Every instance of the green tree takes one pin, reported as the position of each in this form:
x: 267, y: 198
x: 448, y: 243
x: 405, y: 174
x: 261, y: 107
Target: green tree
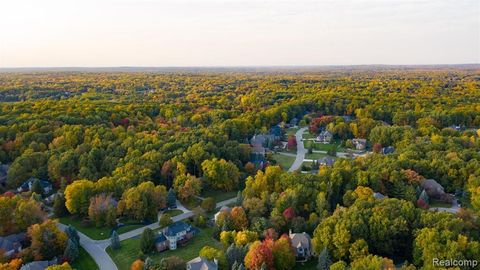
x: 147, y: 241
x: 59, y: 208
x: 71, y: 251
x: 221, y: 174
x: 77, y: 196
x: 171, y: 199
x: 324, y: 261
x: 115, y: 240
x: 37, y: 187
x: 208, y: 204
x: 165, y: 220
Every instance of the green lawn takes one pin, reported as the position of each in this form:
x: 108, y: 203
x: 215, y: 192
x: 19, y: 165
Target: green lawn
x: 322, y: 146
x: 173, y: 212
x: 90, y: 231
x: 435, y: 203
x: 291, y: 131
x: 128, y: 228
x: 284, y: 161
x: 309, y: 265
x: 84, y: 261
x: 315, y: 155
x: 219, y: 195
x: 94, y: 232
x: 192, y: 203
x: 130, y: 249
x: 308, y: 135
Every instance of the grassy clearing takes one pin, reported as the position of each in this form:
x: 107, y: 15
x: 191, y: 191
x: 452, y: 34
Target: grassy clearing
x: 219, y: 195
x: 94, y: 232
x: 192, y: 203
x: 284, y: 161
x: 309, y: 265
x: 322, y: 146
x: 90, y: 231
x: 128, y: 228
x: 315, y: 155
x: 291, y: 131
x: 130, y: 249
x: 435, y: 203
x: 84, y: 261
x: 173, y: 212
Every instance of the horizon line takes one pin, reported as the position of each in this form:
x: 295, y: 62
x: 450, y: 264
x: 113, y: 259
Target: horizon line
x: 236, y: 66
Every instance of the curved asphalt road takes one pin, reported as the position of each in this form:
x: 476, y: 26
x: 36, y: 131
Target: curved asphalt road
x: 301, y: 151
x: 97, y: 248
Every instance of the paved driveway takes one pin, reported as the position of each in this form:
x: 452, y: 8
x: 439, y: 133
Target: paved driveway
x: 98, y: 253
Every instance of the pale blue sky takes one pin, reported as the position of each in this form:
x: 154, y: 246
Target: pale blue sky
x: 96, y: 33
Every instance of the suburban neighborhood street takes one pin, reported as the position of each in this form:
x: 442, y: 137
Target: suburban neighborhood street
x: 301, y: 151
x: 97, y: 248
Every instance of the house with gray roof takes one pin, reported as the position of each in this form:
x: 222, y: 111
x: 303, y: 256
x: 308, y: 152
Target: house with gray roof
x: 302, y: 244
x: 12, y: 244
x: 27, y: 185
x: 176, y: 234
x: 324, y: 137
x: 38, y: 265
x: 326, y: 161
x: 388, y: 150
x: 360, y: 144
x: 201, y: 263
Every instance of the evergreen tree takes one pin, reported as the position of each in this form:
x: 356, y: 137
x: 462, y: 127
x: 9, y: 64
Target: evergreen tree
x: 239, y: 198
x: 37, y: 187
x: 171, y: 199
x: 71, y: 251
x: 148, y: 264
x: 147, y: 241
x: 234, y: 265
x: 234, y: 254
x: 59, y: 208
x: 324, y: 261
x: 115, y: 240
x: 72, y: 234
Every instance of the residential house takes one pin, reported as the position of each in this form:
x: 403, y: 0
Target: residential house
x: 294, y: 122
x: 324, y: 137
x: 201, y: 263
x: 456, y: 127
x: 27, y: 185
x: 176, y: 234
x: 259, y: 142
x: 38, y: 265
x: 276, y: 131
x: 435, y: 190
x: 223, y: 209
x: 347, y: 118
x: 388, y: 150
x: 378, y: 196
x: 12, y: 244
x: 326, y: 161
x: 360, y: 144
x: 302, y: 244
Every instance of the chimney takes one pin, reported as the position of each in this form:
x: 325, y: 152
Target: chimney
x: 215, y: 261
x: 290, y: 232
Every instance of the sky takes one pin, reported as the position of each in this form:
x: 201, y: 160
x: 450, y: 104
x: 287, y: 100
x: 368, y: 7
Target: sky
x: 165, y: 33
